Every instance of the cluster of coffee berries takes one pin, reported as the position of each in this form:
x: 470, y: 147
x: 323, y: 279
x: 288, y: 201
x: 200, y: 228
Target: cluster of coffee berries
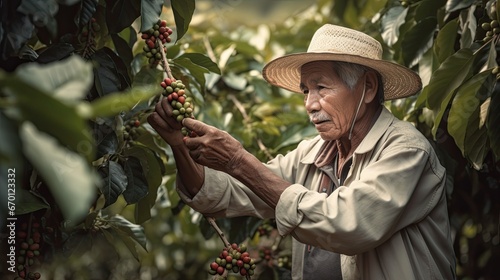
x: 182, y: 105
x: 88, y: 31
x: 130, y: 132
x: 233, y: 259
x: 265, y: 229
x: 492, y: 28
x: 155, y: 39
x: 285, y: 262
x: 266, y: 254
x: 29, y: 242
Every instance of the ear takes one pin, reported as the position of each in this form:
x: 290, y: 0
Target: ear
x: 371, y: 86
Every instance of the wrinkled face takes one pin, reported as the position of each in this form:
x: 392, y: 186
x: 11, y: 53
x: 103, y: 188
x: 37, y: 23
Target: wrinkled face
x: 330, y: 103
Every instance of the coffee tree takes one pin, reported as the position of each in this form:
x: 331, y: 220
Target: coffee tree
x: 94, y: 184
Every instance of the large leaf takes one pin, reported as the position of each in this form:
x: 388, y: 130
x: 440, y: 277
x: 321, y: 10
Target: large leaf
x: 183, y: 12
x: 418, y: 40
x: 111, y: 73
x: 492, y: 124
x: 68, y: 79
x: 444, y: 45
x: 51, y: 116
x: 428, y: 8
x: 454, y: 5
x: 114, y: 182
x: 113, y: 104
x: 391, y: 21
x: 68, y: 176
x: 106, y: 140
x: 136, y: 232
x: 28, y: 202
x: 476, y: 138
x: 137, y: 187
x: 121, y: 14
x: 203, y: 61
x: 463, y: 106
x: 123, y: 49
x: 150, y: 13
x: 445, y: 80
x: 468, y: 27
x: 54, y: 52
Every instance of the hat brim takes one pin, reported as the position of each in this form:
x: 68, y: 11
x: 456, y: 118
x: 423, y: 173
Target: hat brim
x: 398, y: 80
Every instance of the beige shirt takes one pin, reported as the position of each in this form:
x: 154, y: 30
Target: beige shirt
x: 388, y: 221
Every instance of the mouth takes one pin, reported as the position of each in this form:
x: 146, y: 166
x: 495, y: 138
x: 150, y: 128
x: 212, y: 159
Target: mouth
x: 319, y: 121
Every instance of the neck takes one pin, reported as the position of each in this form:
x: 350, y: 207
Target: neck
x: 346, y: 146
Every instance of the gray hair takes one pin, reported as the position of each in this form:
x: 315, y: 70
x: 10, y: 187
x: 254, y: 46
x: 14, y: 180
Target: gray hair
x: 350, y: 73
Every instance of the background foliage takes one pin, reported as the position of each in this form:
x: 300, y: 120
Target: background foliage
x: 75, y: 80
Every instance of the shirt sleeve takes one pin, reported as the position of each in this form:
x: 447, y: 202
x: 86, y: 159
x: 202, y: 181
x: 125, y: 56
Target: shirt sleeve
x: 390, y: 193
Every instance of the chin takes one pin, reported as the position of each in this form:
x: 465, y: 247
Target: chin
x: 327, y: 136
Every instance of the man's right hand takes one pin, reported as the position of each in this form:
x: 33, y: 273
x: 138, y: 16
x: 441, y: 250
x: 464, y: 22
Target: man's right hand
x: 166, y: 125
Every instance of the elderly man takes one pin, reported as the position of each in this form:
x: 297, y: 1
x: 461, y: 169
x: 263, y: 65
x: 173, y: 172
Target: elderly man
x: 365, y: 199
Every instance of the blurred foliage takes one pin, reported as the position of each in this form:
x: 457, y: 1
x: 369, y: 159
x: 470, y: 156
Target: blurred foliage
x: 76, y: 88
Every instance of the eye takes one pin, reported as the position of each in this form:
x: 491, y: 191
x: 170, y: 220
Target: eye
x: 305, y: 91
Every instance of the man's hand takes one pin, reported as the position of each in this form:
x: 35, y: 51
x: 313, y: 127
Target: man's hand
x: 213, y: 147
x: 166, y: 126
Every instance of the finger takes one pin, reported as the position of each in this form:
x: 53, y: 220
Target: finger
x: 198, y: 127
x: 160, y: 109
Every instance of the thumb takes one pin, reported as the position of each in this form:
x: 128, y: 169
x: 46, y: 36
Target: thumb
x: 194, y: 125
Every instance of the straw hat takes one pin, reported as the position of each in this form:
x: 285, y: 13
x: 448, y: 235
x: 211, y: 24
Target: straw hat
x: 336, y: 43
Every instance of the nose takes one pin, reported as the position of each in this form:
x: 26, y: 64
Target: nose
x: 311, y: 102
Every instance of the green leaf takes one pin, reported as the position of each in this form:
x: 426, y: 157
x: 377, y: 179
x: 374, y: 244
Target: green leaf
x: 106, y: 140
x: 492, y: 124
x: 203, y: 61
x: 198, y: 72
x: 150, y: 166
x: 150, y: 13
x: 137, y: 186
x: 454, y: 5
x: 468, y: 27
x: 428, y: 8
x: 463, y: 106
x: 476, y: 138
x: 114, y: 182
x: 121, y: 14
x: 134, y: 231
x: 51, y: 116
x: 391, y: 21
x: 148, y: 77
x: 444, y: 45
x: 113, y: 104
x: 68, y: 80
x: 111, y: 73
x: 123, y: 49
x: 183, y: 12
x: 445, y: 80
x: 142, y: 211
x: 70, y: 180
x: 27, y: 202
x: 418, y: 40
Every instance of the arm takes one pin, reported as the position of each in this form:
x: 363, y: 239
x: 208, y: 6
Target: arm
x: 220, y: 151
x: 188, y: 171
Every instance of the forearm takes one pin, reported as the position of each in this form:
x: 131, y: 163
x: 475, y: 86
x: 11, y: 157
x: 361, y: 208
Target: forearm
x: 190, y: 173
x: 257, y: 177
